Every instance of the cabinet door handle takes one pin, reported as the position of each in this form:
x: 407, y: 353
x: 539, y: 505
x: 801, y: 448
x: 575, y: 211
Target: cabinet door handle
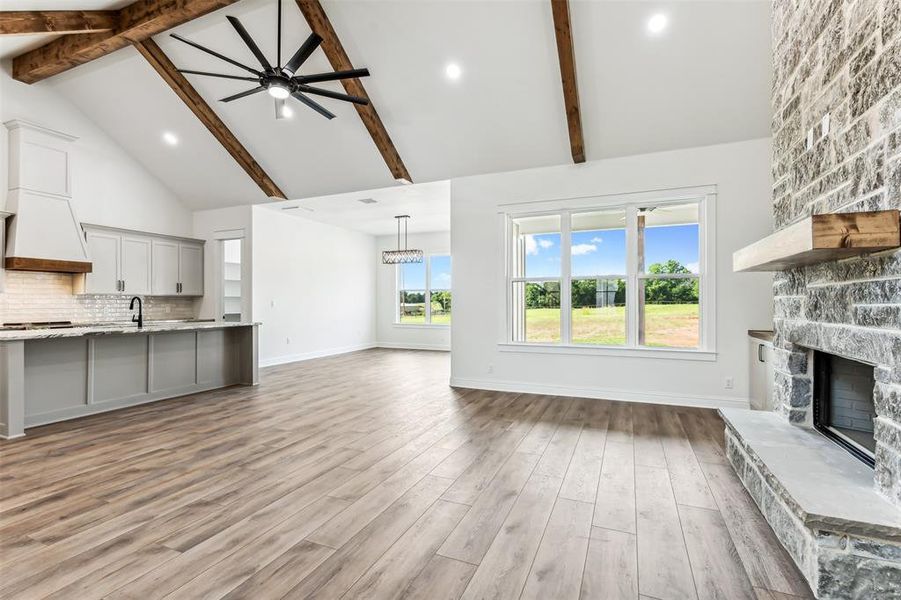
x: 760, y: 353
x: 123, y: 285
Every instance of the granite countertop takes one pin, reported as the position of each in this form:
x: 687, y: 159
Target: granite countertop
x: 118, y: 329
x: 765, y: 335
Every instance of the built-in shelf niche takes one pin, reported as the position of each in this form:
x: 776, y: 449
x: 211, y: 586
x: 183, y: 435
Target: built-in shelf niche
x: 821, y: 238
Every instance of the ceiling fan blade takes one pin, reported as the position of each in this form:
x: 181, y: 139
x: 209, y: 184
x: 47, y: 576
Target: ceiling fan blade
x: 303, y: 53
x: 314, y: 105
x: 351, y: 74
x: 243, y: 94
x: 216, y: 54
x: 330, y: 94
x: 224, y: 76
x: 249, y: 41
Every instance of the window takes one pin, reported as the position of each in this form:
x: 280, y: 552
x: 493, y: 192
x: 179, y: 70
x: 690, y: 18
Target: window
x: 598, y: 281
x: 669, y: 295
x: 626, y: 276
x: 424, y: 291
x: 536, y: 282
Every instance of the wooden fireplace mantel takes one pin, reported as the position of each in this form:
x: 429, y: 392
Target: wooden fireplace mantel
x: 821, y: 238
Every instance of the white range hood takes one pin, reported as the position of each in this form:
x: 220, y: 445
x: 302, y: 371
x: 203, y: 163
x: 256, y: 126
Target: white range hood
x: 43, y: 234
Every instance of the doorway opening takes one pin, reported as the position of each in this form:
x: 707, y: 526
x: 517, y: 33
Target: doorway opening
x: 231, y: 280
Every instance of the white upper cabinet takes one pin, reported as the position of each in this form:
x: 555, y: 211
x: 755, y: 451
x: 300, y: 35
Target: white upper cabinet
x: 105, y: 252
x: 190, y: 269
x: 165, y: 268
x: 135, y: 263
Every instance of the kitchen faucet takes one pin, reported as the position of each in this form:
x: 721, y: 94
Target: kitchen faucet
x: 138, y: 318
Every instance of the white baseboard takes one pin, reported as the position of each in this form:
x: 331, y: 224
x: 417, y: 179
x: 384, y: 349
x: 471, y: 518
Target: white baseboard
x: 436, y: 347
x: 290, y: 358
x: 601, y: 393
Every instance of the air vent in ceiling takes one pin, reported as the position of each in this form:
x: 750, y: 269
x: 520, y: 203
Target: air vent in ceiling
x: 366, y: 200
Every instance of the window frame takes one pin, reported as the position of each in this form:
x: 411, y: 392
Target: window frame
x: 704, y: 196
x: 427, y: 290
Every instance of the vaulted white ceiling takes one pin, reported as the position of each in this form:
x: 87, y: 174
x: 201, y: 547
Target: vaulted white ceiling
x: 374, y: 211
x: 705, y: 80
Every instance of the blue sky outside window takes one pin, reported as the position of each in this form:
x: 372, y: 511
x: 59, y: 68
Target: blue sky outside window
x: 604, y: 252
x: 440, y: 275
x: 542, y: 255
x: 679, y: 242
x: 412, y: 276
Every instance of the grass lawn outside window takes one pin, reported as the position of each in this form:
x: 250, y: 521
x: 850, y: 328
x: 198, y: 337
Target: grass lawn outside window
x: 674, y: 325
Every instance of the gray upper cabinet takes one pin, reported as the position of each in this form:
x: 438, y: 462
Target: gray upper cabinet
x: 105, y: 252
x: 190, y: 269
x: 135, y: 263
x: 165, y: 268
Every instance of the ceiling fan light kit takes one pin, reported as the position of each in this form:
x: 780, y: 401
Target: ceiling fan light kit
x: 281, y: 81
x: 402, y: 255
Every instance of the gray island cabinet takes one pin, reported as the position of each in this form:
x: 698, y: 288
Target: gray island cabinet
x: 49, y: 375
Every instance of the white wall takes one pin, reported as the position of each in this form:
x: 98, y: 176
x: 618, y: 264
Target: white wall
x: 313, y: 287
x: 213, y: 226
x: 741, y: 172
x: 109, y: 187
x: 390, y: 334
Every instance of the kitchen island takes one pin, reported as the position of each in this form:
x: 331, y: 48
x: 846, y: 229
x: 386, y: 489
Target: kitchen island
x: 49, y: 375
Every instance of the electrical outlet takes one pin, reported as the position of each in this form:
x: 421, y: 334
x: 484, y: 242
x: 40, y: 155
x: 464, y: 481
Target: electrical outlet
x: 288, y: 341
x: 729, y: 383
x: 810, y: 138
x: 824, y: 126
x: 272, y: 304
x: 491, y: 368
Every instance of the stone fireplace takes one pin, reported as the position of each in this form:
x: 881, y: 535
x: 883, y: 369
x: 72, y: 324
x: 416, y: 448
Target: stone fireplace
x: 836, y: 148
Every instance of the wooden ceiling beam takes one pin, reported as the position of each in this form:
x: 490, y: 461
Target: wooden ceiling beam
x: 182, y: 87
x: 319, y: 22
x: 136, y: 22
x: 566, y: 55
x: 20, y: 22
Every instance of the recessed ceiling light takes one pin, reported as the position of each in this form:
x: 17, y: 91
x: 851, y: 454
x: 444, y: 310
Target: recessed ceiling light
x: 657, y: 23
x: 170, y: 138
x: 453, y: 71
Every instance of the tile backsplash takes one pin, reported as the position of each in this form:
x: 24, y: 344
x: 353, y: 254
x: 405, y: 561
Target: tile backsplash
x: 32, y: 296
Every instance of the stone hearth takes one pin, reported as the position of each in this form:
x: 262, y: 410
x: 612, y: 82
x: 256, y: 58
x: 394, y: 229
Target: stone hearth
x: 820, y: 501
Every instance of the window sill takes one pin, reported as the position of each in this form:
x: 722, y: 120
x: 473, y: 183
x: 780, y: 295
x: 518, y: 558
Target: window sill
x: 664, y: 353
x: 420, y: 326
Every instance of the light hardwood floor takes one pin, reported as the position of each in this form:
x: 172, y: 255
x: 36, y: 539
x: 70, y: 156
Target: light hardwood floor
x: 366, y: 476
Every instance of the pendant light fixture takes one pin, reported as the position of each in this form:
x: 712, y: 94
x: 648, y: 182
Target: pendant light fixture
x: 401, y: 255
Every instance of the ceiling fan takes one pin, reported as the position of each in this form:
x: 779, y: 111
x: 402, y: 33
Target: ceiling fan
x: 281, y: 81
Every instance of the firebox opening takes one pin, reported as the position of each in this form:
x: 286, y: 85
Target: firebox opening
x: 843, y: 407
